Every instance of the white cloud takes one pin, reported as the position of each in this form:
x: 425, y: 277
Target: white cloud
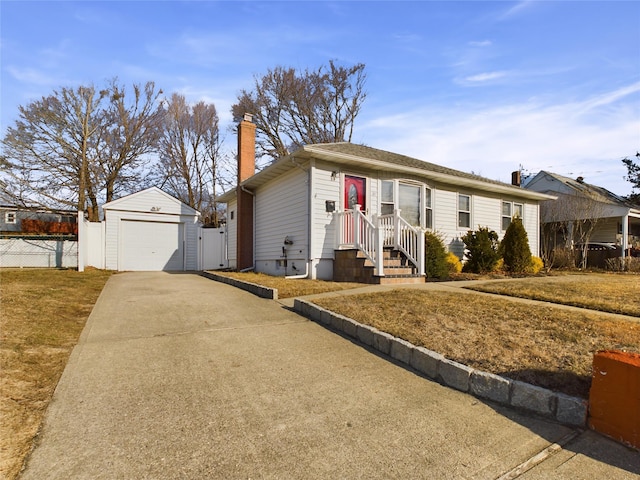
x: 485, y: 77
x: 517, y: 9
x: 482, y: 43
x: 30, y: 75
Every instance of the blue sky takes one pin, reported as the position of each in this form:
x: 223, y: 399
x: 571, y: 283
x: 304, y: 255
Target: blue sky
x: 484, y: 87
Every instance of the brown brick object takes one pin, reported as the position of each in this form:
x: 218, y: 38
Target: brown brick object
x: 614, y: 399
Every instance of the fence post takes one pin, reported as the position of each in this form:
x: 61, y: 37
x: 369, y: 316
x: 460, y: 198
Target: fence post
x: 379, y: 246
x: 396, y: 228
x: 82, y: 241
x: 356, y: 226
x: 421, y: 252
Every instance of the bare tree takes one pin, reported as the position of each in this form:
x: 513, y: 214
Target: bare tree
x: 77, y: 147
x: 50, y: 151
x: 190, y: 154
x: 292, y: 109
x: 131, y: 133
x: 573, y: 218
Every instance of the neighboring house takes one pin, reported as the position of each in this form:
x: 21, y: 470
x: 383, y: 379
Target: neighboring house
x: 297, y: 216
x: 37, y: 221
x: 613, y: 220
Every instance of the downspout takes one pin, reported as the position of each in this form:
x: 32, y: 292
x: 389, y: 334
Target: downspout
x: 253, y: 196
x: 303, y: 275
x: 309, y: 222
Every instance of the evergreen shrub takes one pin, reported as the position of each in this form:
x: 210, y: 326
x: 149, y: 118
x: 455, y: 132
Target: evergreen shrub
x: 436, y: 265
x: 515, y: 248
x: 481, y: 250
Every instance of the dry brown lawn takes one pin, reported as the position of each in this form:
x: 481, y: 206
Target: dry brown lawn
x: 615, y: 293
x: 289, y: 288
x: 41, y: 317
x: 541, y: 345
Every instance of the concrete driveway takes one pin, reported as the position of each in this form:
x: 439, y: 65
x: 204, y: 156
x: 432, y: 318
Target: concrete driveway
x: 177, y: 376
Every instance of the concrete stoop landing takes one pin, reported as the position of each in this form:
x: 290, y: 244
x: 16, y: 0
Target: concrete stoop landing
x: 565, y: 409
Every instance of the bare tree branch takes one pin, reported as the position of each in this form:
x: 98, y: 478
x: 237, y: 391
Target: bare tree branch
x: 292, y: 109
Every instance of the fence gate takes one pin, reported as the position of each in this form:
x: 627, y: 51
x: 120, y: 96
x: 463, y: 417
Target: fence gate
x: 213, y: 248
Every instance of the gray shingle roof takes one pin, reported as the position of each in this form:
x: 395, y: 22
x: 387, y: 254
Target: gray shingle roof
x: 363, y: 151
x: 345, y: 153
x: 595, y: 192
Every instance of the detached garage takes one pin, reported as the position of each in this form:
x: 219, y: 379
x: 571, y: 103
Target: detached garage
x: 150, y: 231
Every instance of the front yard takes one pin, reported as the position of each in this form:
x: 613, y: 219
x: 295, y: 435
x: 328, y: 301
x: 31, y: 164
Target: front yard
x: 44, y: 311
x: 538, y: 344
x: 614, y: 293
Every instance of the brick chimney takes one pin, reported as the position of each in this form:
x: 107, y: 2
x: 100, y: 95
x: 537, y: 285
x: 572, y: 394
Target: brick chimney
x: 516, y: 179
x: 246, y: 148
x: 246, y: 169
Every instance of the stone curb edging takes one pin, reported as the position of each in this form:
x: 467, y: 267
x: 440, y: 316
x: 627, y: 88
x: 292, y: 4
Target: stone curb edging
x: 513, y: 393
x: 259, y: 290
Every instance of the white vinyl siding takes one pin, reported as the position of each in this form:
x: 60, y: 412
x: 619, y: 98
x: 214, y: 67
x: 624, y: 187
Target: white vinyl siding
x: 485, y: 212
x: 281, y: 210
x: 326, y: 187
x: 445, y: 217
x: 531, y: 222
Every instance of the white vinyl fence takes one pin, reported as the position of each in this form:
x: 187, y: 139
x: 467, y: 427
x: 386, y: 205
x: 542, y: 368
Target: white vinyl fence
x: 88, y: 249
x: 38, y: 251
x: 212, y: 249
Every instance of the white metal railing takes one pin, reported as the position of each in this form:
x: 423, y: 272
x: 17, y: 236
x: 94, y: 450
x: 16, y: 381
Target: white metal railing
x: 355, y: 230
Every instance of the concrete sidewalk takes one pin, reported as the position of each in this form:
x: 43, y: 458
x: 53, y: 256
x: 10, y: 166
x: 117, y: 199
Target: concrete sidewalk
x: 178, y: 376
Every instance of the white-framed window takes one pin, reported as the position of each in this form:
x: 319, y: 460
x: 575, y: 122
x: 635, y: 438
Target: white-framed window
x: 511, y: 210
x: 406, y: 196
x: 9, y: 217
x: 409, y: 202
x: 464, y: 211
x: 428, y: 208
x: 387, y: 197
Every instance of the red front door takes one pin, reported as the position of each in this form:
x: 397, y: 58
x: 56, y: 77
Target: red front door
x: 354, y: 192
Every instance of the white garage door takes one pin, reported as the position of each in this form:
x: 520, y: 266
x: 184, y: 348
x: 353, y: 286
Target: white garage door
x: 151, y: 246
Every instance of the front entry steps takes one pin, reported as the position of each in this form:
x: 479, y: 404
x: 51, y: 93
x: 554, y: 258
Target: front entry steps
x: 352, y: 266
